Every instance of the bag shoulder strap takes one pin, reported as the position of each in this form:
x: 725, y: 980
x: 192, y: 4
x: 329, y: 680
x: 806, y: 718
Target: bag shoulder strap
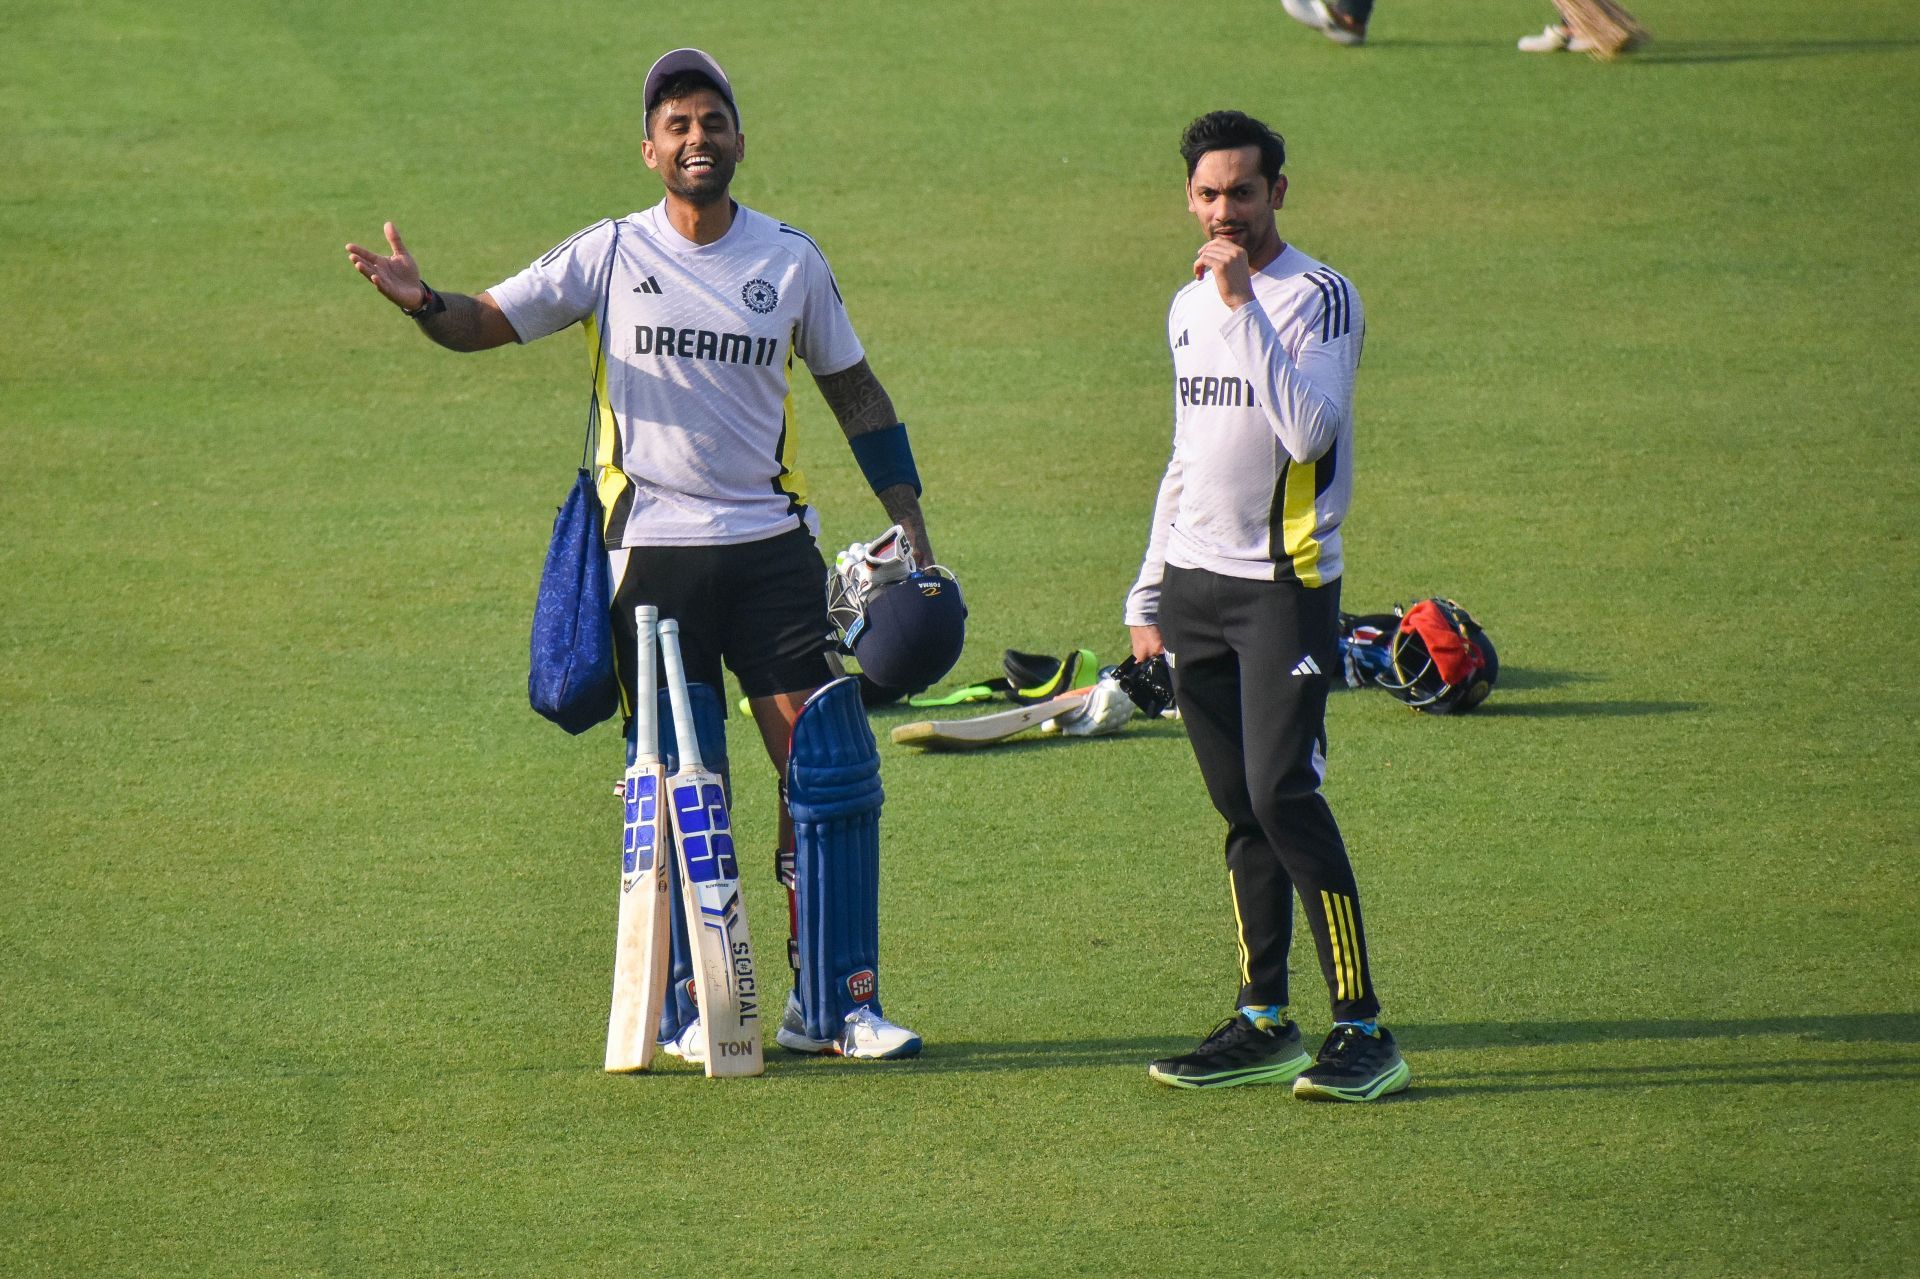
x: 592, y: 446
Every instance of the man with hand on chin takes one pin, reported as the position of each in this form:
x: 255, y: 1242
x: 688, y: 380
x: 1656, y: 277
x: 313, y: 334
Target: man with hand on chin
x: 692, y: 311
x: 1240, y: 588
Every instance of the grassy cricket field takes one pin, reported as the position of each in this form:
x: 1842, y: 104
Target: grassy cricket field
x: 308, y: 920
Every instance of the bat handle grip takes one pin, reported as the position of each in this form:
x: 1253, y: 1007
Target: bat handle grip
x: 646, y: 682
x: 683, y: 730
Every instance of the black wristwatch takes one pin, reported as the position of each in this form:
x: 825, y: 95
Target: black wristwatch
x: 430, y: 305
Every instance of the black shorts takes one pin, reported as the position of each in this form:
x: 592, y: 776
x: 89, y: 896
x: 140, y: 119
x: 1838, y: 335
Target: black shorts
x: 759, y: 607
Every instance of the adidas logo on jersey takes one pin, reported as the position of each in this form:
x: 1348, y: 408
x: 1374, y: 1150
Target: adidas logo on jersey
x: 1181, y: 340
x: 651, y: 286
x: 1307, y: 666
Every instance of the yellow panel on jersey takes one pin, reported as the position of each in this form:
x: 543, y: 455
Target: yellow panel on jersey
x: 617, y: 558
x: 790, y: 481
x: 1298, y: 519
x: 608, y: 479
x: 1348, y: 982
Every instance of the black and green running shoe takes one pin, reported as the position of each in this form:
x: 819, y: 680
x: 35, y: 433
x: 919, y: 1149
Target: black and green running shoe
x: 1237, y: 1052
x: 1354, y: 1066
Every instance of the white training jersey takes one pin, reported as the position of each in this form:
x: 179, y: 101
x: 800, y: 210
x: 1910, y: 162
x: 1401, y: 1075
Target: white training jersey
x: 1262, y: 467
x: 692, y: 348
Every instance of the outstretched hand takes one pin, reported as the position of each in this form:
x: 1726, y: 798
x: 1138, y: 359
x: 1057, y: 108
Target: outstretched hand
x: 396, y: 276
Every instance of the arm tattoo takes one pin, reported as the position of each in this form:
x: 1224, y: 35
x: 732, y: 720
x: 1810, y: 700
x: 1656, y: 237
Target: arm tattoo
x: 903, y: 508
x: 457, y: 328
x: 861, y: 404
x: 857, y: 399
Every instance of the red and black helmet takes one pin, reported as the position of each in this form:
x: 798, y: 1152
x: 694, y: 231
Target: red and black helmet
x: 1441, y: 659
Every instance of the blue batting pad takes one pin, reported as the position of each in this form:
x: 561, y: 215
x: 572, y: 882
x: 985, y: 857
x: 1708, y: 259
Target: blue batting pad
x: 834, y: 794
x: 709, y: 720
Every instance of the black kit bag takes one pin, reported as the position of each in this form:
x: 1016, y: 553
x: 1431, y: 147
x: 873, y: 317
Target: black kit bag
x: 570, y: 675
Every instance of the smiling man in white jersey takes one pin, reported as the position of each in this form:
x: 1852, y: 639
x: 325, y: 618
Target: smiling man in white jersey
x: 1240, y: 588
x: 694, y: 311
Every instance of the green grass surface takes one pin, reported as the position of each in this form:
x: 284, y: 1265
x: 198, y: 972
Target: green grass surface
x: 308, y: 921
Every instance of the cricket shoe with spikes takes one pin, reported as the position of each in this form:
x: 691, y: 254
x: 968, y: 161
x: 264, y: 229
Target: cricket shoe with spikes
x: 1237, y: 1052
x: 1354, y: 1065
x: 866, y: 1036
x: 687, y: 1045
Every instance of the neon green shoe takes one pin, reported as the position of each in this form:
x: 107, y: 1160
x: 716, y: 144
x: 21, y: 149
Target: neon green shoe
x: 1236, y: 1053
x: 1354, y: 1066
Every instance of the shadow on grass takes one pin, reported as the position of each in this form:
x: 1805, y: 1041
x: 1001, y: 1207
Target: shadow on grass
x: 1518, y: 678
x: 1512, y: 677
x: 957, y: 1057
x: 1877, y: 1028
x: 1696, y: 52
x: 1767, y: 1074
x: 1496, y: 708
x: 1763, y: 1070
x: 1134, y: 1052
x: 1688, y: 52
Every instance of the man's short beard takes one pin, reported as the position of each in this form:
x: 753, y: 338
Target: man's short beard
x: 701, y: 193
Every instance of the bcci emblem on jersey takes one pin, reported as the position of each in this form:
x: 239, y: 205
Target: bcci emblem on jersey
x: 759, y: 296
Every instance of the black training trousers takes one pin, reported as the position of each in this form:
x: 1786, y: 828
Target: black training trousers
x: 1252, y: 664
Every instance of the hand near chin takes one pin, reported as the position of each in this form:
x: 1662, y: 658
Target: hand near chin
x: 1231, y: 274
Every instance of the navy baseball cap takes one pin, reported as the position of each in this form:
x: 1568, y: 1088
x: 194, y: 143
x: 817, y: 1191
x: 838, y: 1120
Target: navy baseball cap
x: 679, y: 60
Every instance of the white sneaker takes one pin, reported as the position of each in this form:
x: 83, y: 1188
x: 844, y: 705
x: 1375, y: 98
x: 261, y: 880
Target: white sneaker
x: 687, y: 1045
x: 866, y: 1035
x: 870, y: 1036
x: 1303, y: 11
x: 792, y: 1034
x: 1552, y: 39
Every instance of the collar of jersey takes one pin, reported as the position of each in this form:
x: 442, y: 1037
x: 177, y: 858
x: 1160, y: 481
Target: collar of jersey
x: 671, y: 237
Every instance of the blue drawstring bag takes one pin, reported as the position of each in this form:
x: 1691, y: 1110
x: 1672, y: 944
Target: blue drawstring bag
x: 570, y: 673
x: 570, y: 677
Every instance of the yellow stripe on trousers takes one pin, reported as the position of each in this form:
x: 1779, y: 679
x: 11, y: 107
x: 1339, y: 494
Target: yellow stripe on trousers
x: 1240, y: 932
x: 1346, y: 945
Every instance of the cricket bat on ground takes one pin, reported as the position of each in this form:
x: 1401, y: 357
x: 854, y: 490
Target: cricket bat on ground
x: 640, y: 953
x: 984, y: 730
x: 725, y: 986
x: 1608, y: 30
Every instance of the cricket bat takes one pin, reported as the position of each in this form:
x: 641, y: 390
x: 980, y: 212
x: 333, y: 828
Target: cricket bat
x: 640, y: 952
x: 725, y: 986
x: 984, y: 730
x: 1608, y: 30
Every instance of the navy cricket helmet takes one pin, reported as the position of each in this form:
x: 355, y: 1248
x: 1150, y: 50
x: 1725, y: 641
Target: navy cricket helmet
x: 910, y: 634
x: 904, y: 625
